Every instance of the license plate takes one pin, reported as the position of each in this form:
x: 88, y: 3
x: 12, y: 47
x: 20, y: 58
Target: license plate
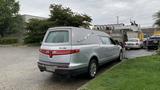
x: 51, y: 68
x: 130, y: 44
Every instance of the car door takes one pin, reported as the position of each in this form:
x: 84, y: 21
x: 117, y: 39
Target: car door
x: 115, y: 49
x: 105, y: 48
x: 56, y: 46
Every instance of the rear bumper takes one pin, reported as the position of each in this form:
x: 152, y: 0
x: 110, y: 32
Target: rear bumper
x: 63, y: 70
x: 132, y: 46
x: 152, y: 47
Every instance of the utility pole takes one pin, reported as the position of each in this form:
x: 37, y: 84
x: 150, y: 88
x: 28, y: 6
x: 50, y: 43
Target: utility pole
x: 130, y: 20
x: 117, y: 19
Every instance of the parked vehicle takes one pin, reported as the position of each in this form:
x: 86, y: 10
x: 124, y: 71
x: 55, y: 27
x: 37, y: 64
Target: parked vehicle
x: 153, y: 42
x: 71, y: 50
x: 133, y: 43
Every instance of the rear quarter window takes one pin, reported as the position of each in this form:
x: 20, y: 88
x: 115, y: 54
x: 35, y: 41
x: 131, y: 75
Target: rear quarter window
x: 105, y: 40
x: 57, y: 37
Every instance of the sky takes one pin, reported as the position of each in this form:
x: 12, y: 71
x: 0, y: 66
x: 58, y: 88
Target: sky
x: 101, y: 11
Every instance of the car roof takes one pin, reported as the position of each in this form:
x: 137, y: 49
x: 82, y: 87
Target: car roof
x: 101, y: 33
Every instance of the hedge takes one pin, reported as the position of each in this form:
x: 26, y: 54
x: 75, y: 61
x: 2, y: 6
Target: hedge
x: 8, y: 41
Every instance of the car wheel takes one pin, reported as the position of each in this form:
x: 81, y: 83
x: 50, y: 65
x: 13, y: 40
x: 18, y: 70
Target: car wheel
x: 92, y: 69
x: 120, y: 58
x: 148, y: 48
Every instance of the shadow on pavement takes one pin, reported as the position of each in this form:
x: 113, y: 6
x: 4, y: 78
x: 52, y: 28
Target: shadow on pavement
x: 56, y: 82
x: 80, y: 79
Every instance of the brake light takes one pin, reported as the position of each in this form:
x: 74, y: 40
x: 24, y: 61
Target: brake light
x: 58, y: 52
x: 63, y: 52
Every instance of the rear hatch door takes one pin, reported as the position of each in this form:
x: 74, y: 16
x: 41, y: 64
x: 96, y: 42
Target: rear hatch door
x: 56, y: 46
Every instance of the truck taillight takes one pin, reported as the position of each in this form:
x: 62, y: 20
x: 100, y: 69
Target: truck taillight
x: 59, y: 52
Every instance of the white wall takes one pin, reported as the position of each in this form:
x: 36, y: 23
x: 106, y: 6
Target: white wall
x: 132, y: 34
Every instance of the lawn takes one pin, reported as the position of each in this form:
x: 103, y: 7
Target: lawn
x: 141, y: 73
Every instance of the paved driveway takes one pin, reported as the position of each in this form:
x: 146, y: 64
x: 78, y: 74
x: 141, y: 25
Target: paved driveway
x: 139, y: 53
x: 18, y: 71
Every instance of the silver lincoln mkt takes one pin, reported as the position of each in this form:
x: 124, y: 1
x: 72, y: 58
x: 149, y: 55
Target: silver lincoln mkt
x: 71, y: 50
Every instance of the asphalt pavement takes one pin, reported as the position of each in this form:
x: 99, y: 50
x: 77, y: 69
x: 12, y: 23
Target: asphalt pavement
x: 18, y: 71
x: 138, y: 53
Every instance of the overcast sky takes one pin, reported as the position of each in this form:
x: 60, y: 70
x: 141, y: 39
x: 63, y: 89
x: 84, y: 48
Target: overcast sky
x: 101, y: 11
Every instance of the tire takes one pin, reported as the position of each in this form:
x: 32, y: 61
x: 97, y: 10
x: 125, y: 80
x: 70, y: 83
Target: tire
x: 92, y: 68
x: 120, y: 58
x: 148, y: 48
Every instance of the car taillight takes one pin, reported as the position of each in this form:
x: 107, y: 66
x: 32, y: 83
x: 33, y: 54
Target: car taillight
x: 58, y: 52
x: 44, y: 51
x: 64, y: 52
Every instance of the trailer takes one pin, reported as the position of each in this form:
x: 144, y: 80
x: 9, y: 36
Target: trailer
x: 121, y: 32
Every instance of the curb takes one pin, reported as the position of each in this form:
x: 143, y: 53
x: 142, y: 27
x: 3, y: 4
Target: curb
x: 83, y: 87
x: 13, y: 46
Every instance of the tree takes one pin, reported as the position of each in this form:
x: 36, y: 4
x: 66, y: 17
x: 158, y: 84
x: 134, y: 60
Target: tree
x: 60, y: 16
x: 8, y: 10
x: 36, y: 30
x: 157, y: 17
x: 17, y: 24
x: 65, y: 17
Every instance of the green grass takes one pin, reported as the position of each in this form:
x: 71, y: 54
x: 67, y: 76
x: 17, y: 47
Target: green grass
x: 134, y: 74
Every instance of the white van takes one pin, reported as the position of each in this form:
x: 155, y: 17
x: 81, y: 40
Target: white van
x: 71, y: 50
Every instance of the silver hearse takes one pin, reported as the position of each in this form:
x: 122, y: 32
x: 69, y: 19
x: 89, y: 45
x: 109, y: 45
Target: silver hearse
x: 71, y: 50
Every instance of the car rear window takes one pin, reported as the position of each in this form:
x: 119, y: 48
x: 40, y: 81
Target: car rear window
x: 57, y: 37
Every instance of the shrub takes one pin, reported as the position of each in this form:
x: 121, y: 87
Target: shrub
x: 8, y: 41
x: 36, y: 30
x: 158, y: 51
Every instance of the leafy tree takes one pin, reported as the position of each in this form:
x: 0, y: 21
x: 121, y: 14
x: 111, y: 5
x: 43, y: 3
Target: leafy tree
x: 60, y: 16
x: 157, y: 17
x: 8, y: 10
x: 36, y: 30
x: 65, y: 17
x: 17, y: 24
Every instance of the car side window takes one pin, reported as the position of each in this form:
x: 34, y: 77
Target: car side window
x: 106, y: 40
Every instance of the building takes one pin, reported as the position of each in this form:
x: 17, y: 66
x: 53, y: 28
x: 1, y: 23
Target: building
x: 120, y: 32
x: 27, y: 17
x: 149, y: 31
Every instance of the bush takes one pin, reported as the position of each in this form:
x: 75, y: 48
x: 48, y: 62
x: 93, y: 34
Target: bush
x: 158, y: 51
x: 36, y: 30
x: 8, y: 41
x: 34, y: 38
